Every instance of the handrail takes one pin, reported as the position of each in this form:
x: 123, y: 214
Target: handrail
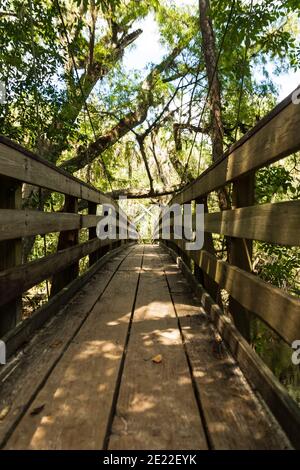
x: 273, y: 138
x: 18, y: 166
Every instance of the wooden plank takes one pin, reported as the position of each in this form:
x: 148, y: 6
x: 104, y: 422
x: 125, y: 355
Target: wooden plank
x: 156, y: 408
x: 16, y: 162
x: 25, y: 329
x: 278, y: 309
x: 240, y: 251
x: 273, y: 223
x: 234, y: 415
x: 24, y: 223
x: 278, y: 138
x: 15, y: 281
x: 66, y: 239
x: 76, y: 411
x: 261, y: 378
x: 92, y: 208
x: 26, y: 373
x: 10, y: 253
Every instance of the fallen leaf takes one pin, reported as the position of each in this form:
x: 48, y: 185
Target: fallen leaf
x: 157, y: 359
x: 4, y: 412
x: 37, y: 410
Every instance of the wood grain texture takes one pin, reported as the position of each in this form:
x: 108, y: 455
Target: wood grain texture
x: 156, y: 405
x: 274, y: 223
x: 234, y: 415
x: 278, y: 309
x: 24, y: 375
x: 28, y: 168
x: 78, y: 395
x: 17, y: 280
x: 23, y: 223
x: 259, y: 375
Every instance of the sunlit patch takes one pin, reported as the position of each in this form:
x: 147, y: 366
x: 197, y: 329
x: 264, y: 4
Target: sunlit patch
x: 47, y: 420
x: 38, y: 439
x: 169, y: 337
x: 219, y: 427
x: 59, y: 393
x: 199, y: 373
x: 142, y: 403
x: 184, y: 381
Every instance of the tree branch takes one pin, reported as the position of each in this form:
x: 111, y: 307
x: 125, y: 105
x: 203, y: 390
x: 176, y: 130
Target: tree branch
x: 141, y: 194
x: 144, y: 101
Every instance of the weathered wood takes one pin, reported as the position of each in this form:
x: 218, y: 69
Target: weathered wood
x: 67, y: 239
x: 210, y: 285
x: 24, y: 377
x: 78, y: 395
x: 277, y: 138
x: 16, y: 280
x: 240, y: 252
x: 25, y: 329
x: 274, y: 223
x: 10, y: 253
x: 156, y: 406
x: 278, y: 309
x: 261, y: 378
x: 16, y: 162
x: 239, y: 423
x: 92, y: 207
x: 24, y: 223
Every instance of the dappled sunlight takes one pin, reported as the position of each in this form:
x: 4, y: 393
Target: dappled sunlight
x: 142, y: 403
x: 157, y: 406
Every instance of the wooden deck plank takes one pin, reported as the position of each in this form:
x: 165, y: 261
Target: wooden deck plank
x: 24, y: 375
x: 235, y: 417
x: 156, y: 407
x: 76, y: 400
x: 72, y: 389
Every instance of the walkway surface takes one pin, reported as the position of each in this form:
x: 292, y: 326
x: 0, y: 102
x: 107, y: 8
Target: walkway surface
x: 132, y: 363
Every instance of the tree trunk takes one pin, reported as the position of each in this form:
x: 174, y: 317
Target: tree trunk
x: 210, y: 57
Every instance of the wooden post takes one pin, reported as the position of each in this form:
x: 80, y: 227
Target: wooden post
x: 67, y: 239
x: 208, y: 283
x: 241, y: 250
x: 10, y: 252
x: 184, y: 255
x: 93, y: 257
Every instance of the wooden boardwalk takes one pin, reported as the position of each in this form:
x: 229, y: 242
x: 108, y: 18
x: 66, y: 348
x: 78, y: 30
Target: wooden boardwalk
x: 132, y: 362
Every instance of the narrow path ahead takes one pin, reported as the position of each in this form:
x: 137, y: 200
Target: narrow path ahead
x: 132, y: 363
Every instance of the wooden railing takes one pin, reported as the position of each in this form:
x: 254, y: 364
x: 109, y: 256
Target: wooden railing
x: 275, y: 137
x: 19, y: 166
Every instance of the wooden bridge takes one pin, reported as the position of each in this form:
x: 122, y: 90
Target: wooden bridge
x: 136, y: 352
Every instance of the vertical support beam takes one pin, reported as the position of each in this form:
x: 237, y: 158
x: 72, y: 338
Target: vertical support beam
x: 117, y: 241
x: 10, y: 252
x: 241, y: 250
x: 92, y: 210
x: 209, y: 284
x: 67, y: 239
x: 184, y: 254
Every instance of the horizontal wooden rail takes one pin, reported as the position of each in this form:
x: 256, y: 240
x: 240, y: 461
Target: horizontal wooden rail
x: 259, y: 375
x: 277, y: 137
x: 274, y: 223
x: 19, y: 166
x: 278, y: 309
x: 16, y: 280
x: 24, y: 223
x: 18, y: 163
